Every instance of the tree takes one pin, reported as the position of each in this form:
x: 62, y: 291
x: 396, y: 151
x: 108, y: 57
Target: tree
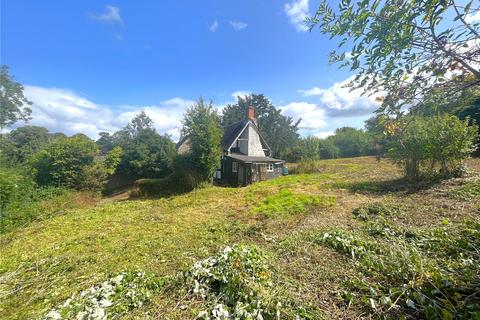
x: 106, y: 142
x: 147, y: 155
x: 140, y: 122
x: 201, y: 125
x: 405, y: 49
x: 279, y: 131
x: 13, y: 104
x: 63, y: 163
x: 24, y: 142
x: 352, y: 142
x: 310, y: 148
x: 328, y: 150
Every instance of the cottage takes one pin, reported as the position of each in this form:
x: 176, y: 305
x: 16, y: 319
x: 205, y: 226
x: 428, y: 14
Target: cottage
x: 246, y: 158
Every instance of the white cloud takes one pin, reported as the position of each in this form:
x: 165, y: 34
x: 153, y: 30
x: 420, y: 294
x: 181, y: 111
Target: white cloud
x: 339, y: 101
x: 297, y: 11
x: 472, y: 18
x: 238, y: 25
x: 214, y: 26
x: 313, y: 117
x: 62, y: 110
x: 315, y: 91
x: 118, y: 36
x: 111, y: 15
x: 240, y: 93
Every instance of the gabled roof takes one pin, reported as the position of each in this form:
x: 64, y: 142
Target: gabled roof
x: 233, y: 131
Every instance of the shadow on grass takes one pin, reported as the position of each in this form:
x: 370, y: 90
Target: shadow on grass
x: 388, y: 186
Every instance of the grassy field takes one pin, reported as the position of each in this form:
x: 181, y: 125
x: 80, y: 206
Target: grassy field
x: 372, y: 215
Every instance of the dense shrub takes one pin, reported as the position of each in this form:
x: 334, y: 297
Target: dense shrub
x: 429, y: 144
x: 63, y: 163
x: 22, y: 201
x: 147, y: 155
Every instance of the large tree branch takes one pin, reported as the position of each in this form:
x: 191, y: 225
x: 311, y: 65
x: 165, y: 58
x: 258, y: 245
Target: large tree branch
x: 449, y: 53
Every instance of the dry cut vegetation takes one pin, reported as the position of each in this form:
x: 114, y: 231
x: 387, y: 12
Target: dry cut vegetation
x: 342, y: 238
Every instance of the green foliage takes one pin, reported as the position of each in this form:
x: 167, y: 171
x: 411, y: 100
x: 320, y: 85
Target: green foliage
x: 113, y: 159
x: 405, y: 49
x: 23, y: 142
x: 111, y: 299
x: 424, y: 143
x: 22, y: 201
x: 147, y: 154
x: 465, y: 107
x: 285, y: 202
x: 279, y: 131
x: 63, y: 163
x: 8, y: 186
x: 237, y: 283
x: 106, y: 142
x: 202, y: 126
x: 309, y: 148
x: 328, y: 149
x: 351, y: 142
x: 13, y: 104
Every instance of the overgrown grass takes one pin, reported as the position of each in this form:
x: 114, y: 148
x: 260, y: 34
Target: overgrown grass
x: 39, y: 203
x: 401, y: 249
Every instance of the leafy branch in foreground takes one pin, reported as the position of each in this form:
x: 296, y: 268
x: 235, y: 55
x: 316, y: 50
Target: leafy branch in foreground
x: 404, y: 49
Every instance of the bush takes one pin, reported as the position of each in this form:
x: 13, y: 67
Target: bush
x: 429, y: 144
x: 147, y: 154
x: 23, y: 201
x: 63, y: 163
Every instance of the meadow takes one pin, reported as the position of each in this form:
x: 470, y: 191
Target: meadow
x: 343, y: 238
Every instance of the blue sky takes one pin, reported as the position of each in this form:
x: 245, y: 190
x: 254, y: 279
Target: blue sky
x: 88, y: 66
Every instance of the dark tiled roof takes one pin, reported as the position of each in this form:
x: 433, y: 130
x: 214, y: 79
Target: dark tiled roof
x: 245, y: 158
x: 231, y: 132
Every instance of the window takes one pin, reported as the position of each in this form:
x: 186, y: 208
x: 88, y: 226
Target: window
x: 269, y: 166
x: 234, y: 166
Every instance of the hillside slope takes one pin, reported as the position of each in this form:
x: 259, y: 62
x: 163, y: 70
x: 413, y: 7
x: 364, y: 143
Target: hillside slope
x: 290, y: 219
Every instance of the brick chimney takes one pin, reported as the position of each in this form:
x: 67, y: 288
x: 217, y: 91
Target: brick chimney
x: 251, y: 114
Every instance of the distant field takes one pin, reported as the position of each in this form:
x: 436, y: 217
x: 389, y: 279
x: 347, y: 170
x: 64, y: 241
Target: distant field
x: 43, y: 264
